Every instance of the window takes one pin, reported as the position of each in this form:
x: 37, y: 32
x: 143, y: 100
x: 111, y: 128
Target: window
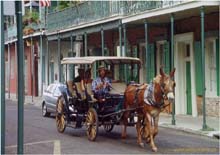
x: 50, y: 88
x: 57, y: 91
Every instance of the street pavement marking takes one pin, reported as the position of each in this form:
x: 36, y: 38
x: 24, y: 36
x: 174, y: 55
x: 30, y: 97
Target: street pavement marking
x: 56, y: 149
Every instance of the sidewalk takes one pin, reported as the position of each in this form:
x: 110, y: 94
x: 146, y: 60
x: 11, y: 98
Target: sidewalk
x: 184, y: 123
x: 191, y: 124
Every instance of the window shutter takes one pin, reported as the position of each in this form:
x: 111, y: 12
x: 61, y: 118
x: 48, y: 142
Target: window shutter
x: 150, y: 63
x: 217, y: 67
x: 198, y: 67
x: 167, y: 57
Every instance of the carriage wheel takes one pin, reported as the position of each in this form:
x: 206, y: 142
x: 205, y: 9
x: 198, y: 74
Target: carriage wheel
x: 60, y: 116
x: 92, y: 124
x: 108, y: 128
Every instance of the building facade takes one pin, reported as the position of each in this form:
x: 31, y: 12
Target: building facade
x: 160, y: 33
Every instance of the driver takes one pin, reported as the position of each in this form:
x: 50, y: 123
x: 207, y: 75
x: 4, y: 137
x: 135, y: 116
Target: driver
x: 101, y: 85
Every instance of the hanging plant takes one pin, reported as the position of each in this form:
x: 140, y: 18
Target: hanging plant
x: 31, y: 17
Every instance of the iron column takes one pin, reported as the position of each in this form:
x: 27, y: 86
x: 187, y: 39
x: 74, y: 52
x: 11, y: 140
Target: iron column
x: 9, y: 71
x: 48, y: 61
x: 102, y: 38
x: 58, y: 57
x: 120, y: 39
x: 41, y: 65
x: 71, y: 42
x: 125, y: 50
x: 20, y: 57
x: 146, y: 46
x: 85, y: 44
x: 172, y: 63
x: 32, y: 70
x: 2, y: 93
x: 204, y: 126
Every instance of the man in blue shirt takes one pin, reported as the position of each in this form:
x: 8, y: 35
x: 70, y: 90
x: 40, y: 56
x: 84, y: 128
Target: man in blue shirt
x: 101, y: 85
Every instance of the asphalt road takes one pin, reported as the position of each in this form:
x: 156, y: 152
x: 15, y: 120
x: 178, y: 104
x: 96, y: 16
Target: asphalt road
x: 41, y: 137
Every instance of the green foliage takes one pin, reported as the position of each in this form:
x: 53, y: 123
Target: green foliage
x: 31, y: 17
x: 65, y: 4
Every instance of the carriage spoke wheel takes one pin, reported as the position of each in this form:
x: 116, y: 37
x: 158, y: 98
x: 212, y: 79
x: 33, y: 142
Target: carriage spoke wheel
x: 60, y: 116
x: 92, y: 124
x: 108, y: 128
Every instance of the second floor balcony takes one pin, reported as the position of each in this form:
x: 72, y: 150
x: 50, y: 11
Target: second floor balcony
x: 91, y: 11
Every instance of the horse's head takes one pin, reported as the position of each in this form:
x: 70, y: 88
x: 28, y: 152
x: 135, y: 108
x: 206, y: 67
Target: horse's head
x: 166, y: 84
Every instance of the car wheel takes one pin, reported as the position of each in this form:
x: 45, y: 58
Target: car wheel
x: 45, y: 113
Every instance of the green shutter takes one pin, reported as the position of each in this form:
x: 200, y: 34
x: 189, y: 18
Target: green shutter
x: 217, y: 67
x: 150, y: 63
x: 198, y: 67
x: 167, y: 57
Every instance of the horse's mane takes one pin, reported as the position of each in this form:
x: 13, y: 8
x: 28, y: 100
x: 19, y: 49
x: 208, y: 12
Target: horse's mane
x: 157, y: 79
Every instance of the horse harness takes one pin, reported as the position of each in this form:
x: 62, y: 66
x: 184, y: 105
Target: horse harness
x: 149, y: 96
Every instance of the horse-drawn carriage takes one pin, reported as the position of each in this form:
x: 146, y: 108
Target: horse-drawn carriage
x: 76, y: 107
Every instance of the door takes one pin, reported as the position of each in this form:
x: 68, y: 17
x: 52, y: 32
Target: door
x: 188, y: 89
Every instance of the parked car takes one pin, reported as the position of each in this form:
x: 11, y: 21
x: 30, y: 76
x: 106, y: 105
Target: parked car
x: 50, y: 96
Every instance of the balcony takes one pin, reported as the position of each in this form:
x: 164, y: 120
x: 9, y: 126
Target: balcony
x: 91, y: 11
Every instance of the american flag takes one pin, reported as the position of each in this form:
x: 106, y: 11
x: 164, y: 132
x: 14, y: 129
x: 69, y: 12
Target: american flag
x: 45, y: 3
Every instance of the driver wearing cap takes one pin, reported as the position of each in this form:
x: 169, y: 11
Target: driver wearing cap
x: 101, y: 85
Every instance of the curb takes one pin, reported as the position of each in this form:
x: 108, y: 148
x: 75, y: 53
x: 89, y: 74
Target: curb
x: 187, y: 130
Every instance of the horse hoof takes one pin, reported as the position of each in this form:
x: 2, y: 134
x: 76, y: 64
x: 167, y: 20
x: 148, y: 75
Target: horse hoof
x: 141, y: 145
x: 148, y: 140
x: 154, y: 149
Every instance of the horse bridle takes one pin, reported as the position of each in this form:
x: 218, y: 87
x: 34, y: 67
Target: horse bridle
x: 164, y: 95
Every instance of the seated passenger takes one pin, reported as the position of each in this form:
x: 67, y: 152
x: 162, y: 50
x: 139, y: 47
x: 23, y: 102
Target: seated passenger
x: 101, y: 85
x: 80, y: 76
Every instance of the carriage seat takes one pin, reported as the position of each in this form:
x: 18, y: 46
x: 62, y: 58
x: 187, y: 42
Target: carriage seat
x: 118, y: 88
x: 89, y: 91
x: 71, y: 89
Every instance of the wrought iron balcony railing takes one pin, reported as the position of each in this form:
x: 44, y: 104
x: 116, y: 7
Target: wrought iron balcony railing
x: 90, y: 11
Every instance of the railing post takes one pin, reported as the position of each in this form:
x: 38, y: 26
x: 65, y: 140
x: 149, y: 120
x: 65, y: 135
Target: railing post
x: 2, y: 80
x: 204, y: 126
x: 20, y: 56
x: 172, y: 63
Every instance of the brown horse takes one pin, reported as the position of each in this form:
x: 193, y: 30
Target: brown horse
x: 148, y: 100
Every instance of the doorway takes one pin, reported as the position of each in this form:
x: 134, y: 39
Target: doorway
x: 185, y: 95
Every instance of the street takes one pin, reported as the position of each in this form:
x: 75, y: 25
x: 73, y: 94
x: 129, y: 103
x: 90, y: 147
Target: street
x: 41, y: 137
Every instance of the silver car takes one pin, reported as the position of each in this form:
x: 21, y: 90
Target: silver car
x: 50, y: 96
